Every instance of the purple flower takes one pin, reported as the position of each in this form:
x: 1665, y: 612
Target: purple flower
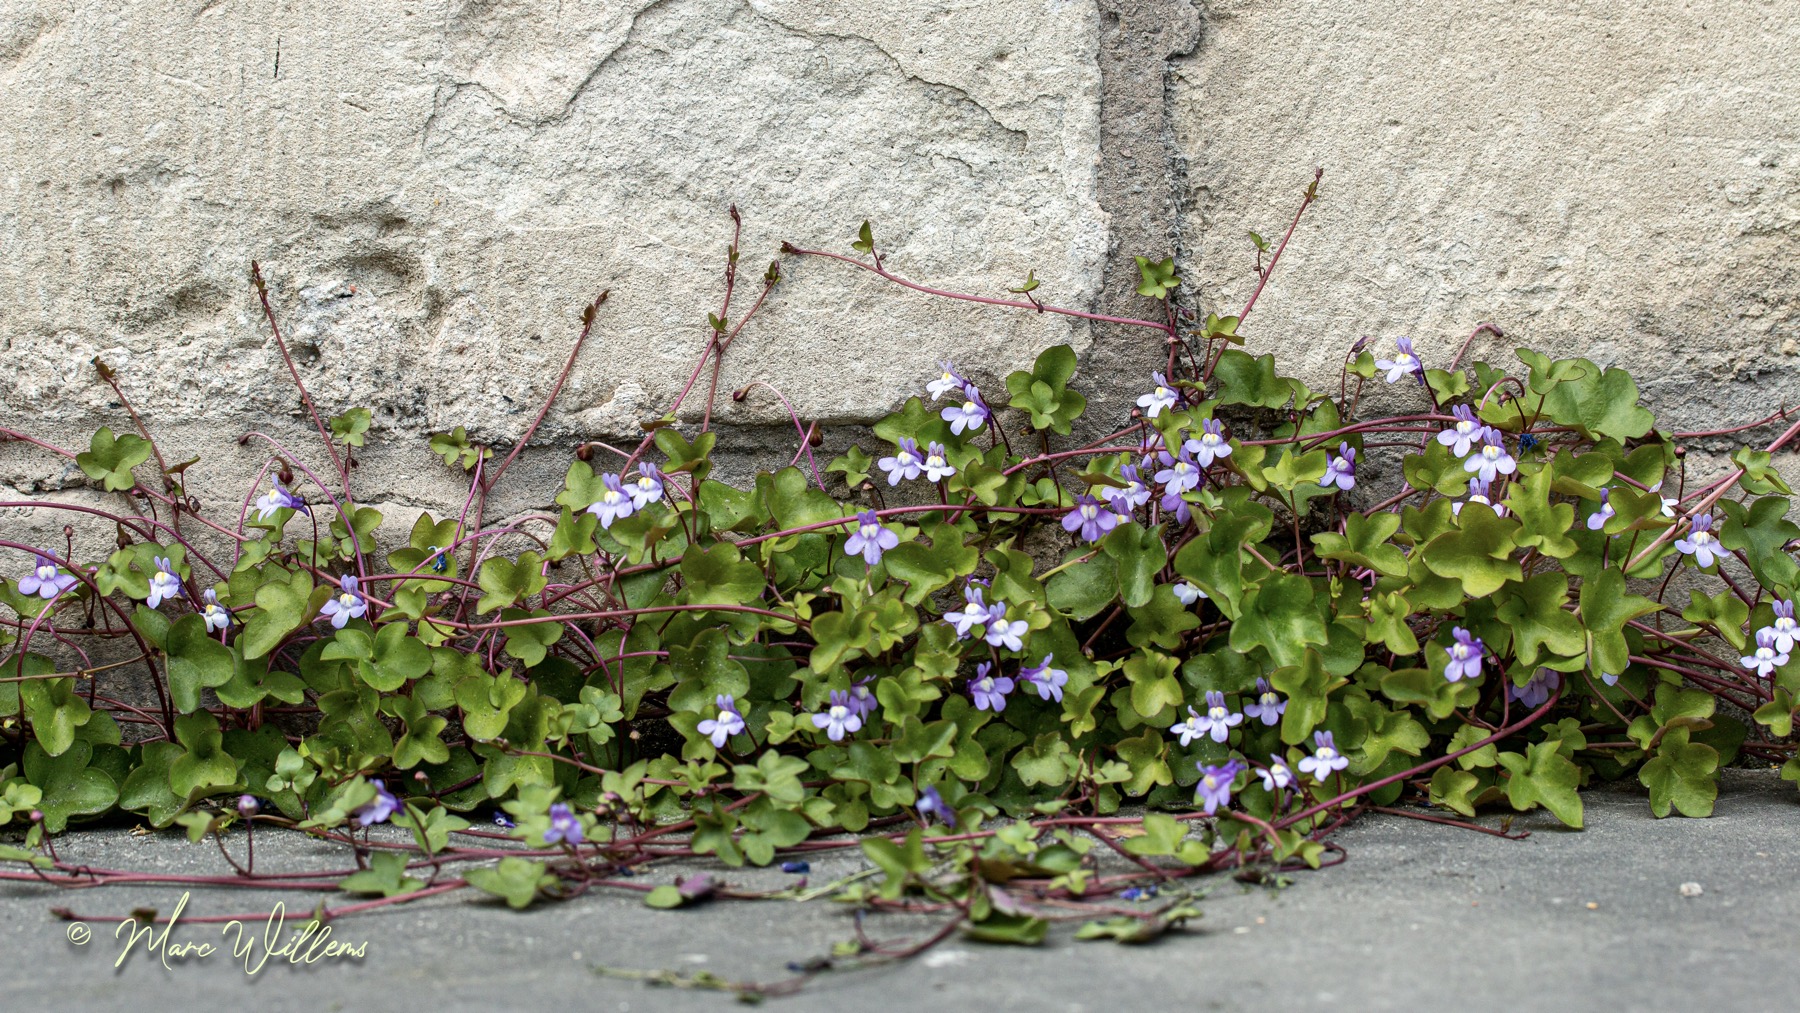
x: 1785, y: 630
x: 1210, y: 445
x: 988, y: 690
x: 1134, y: 495
x: 1268, y: 707
x: 1173, y: 503
x: 1668, y: 503
x: 1468, y: 431
x: 164, y: 584
x: 1341, y: 471
x: 276, y: 499
x: 1218, y: 719
x: 839, y: 717
x: 1002, y: 633
x: 1187, y: 593
x: 1163, y: 396
x: 1535, y: 692
x: 796, y: 868
x: 862, y: 698
x: 1598, y: 518
x: 728, y: 723
x: 937, y: 465
x: 216, y: 615
x: 906, y: 462
x: 45, y: 581
x: 501, y: 820
x: 1190, y: 729
x: 1402, y: 363
x: 1478, y: 493
x: 1325, y: 758
x: 1214, y: 789
x: 379, y: 808
x: 1769, y: 655
x: 1700, y: 543
x: 647, y: 488
x: 614, y: 503
x: 1492, y: 459
x: 1181, y: 475
x: 1276, y: 775
x: 870, y: 539
x: 1089, y: 519
x: 247, y: 805
x: 346, y: 606
x: 1048, y: 682
x: 564, y: 827
x: 949, y: 380
x: 973, y: 616
x: 932, y: 806
x: 969, y: 415
x: 1465, y: 656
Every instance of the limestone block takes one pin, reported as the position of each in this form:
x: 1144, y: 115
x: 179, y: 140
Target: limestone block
x: 1614, y: 180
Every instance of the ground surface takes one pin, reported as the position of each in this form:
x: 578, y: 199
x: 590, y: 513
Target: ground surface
x: 1420, y: 916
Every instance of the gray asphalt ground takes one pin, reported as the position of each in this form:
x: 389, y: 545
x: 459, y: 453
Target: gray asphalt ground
x: 1420, y: 916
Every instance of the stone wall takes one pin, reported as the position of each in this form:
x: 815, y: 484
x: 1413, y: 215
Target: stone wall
x: 435, y: 188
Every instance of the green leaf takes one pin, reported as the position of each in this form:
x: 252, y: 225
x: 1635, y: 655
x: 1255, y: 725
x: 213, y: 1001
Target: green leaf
x: 720, y: 576
x: 1478, y: 553
x: 506, y: 582
x: 1605, y: 609
x: 1365, y: 543
x: 109, y: 459
x: 1018, y: 930
x: 1158, y: 277
x: 282, y: 606
x: 1140, y: 555
x: 350, y: 427
x: 70, y: 787
x: 518, y: 881
x: 386, y: 877
x: 196, y: 661
x: 204, y: 762
x: 1682, y: 774
x: 1533, y: 610
x: 1544, y: 776
x: 1281, y: 616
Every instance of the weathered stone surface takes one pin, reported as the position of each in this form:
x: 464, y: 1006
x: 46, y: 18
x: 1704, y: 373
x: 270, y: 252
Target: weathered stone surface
x: 436, y: 188
x: 1619, y: 181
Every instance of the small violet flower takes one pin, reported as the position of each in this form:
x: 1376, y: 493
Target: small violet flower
x: 1048, y: 682
x: 1468, y: 431
x: 1269, y: 706
x: 216, y: 615
x: 949, y: 380
x: 1276, y: 775
x: 379, y: 808
x: 937, y: 463
x: 1214, y: 788
x: 164, y: 584
x: 1161, y: 397
x: 1176, y: 506
x: 45, y: 580
x: 1187, y: 593
x: 1001, y: 633
x: 1181, y: 475
x: 1700, y: 543
x: 1668, y: 503
x: 1465, y: 656
x: 988, y: 690
x: 614, y: 503
x: 1325, y: 758
x: 1134, y: 495
x: 1492, y: 459
x: 970, y: 414
x: 278, y: 498
x: 647, y: 488
x: 1478, y: 493
x: 796, y: 868
x: 1341, y: 471
x: 906, y: 463
x: 1218, y: 719
x: 862, y: 698
x: 870, y: 539
x: 1785, y: 629
x: 1598, y: 518
x: 1089, y: 519
x: 346, y: 606
x: 728, y: 723
x: 1534, y: 693
x: 1402, y: 363
x: 1210, y: 445
x: 1190, y: 729
x: 839, y: 717
x: 564, y: 826
x: 973, y: 617
x: 931, y: 805
x: 1768, y: 657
